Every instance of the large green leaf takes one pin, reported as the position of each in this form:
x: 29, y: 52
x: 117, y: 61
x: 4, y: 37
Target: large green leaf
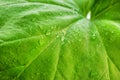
x: 59, y: 39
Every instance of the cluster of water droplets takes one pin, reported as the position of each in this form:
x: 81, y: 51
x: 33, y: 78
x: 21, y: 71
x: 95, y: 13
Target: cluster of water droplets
x: 63, y: 35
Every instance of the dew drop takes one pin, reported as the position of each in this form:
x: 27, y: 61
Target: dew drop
x: 45, y: 7
x: 52, y: 27
x: 38, y: 73
x: 94, y: 36
x: 48, y: 33
x: 60, y: 13
x: 63, y: 38
x: 32, y: 77
x: 79, y: 40
x: 43, y: 74
x: 106, y: 33
x: 112, y: 32
x: 68, y: 41
x: 57, y: 36
x: 48, y: 60
x: 36, y: 47
x: 75, y: 50
x: 1, y: 41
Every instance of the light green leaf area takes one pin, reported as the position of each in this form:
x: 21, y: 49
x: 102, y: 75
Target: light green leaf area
x: 59, y: 39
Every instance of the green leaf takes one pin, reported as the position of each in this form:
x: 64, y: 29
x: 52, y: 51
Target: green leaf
x: 59, y: 40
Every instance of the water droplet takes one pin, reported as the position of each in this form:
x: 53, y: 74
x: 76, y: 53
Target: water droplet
x: 63, y: 32
x: 106, y: 33
x: 94, y: 36
x: 97, y: 45
x: 57, y: 36
x: 79, y: 40
x: 43, y: 74
x: 68, y: 41
x: 45, y: 7
x: 32, y: 77
x: 36, y: 47
x: 111, y: 39
x: 62, y: 71
x: 48, y: 60
x: 63, y: 38
x: 1, y: 41
x: 112, y: 32
x: 38, y: 73
x: 52, y: 27
x: 60, y: 13
x: 106, y: 14
x: 76, y: 49
x: 48, y: 33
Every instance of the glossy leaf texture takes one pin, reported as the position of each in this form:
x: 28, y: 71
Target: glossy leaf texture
x: 59, y: 39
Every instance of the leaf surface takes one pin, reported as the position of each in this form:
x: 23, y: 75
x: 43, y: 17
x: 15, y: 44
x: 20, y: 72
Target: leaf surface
x: 59, y: 39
